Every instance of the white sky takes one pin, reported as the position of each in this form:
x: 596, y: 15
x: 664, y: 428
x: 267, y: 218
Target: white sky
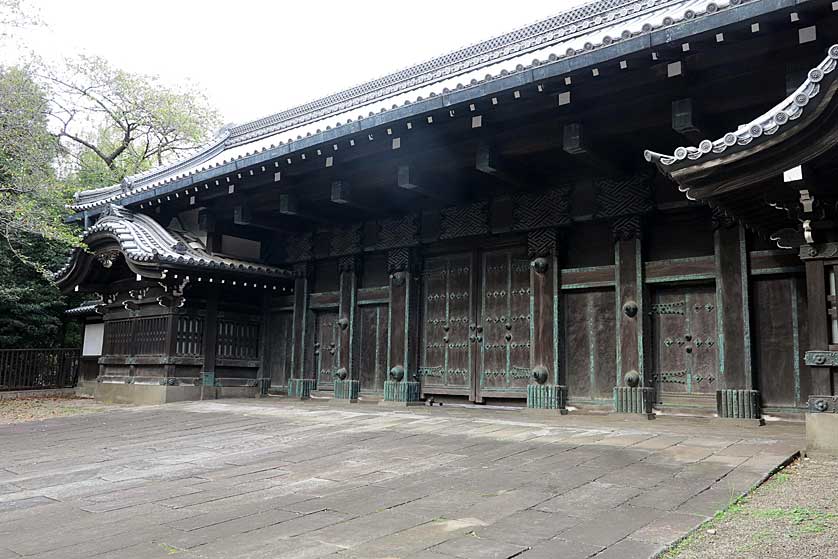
x: 254, y: 58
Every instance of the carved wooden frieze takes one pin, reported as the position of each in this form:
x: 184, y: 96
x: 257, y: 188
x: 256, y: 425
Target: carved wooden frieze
x: 542, y: 242
x: 303, y: 270
x: 821, y: 358
x: 550, y: 208
x: 397, y: 232
x: 398, y: 260
x: 349, y: 263
x: 819, y: 251
x: 721, y: 219
x: 298, y: 246
x: 623, y: 196
x: 346, y: 239
x: 465, y: 221
x: 626, y: 228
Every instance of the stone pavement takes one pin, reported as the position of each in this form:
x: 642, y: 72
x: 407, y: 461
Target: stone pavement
x: 279, y: 479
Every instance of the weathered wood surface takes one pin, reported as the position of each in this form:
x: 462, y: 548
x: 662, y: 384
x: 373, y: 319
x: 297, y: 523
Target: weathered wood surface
x: 589, y: 344
x: 734, y: 306
x: 685, y: 342
x: 779, y: 308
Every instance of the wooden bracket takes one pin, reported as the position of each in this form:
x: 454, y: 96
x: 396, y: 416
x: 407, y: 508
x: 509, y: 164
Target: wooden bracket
x: 686, y: 120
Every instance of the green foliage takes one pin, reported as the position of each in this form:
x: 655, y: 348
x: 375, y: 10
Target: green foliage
x: 112, y: 124
x: 84, y: 124
x: 31, y: 307
x: 31, y: 199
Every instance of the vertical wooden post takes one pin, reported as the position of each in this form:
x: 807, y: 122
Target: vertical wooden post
x: 302, y: 273
x: 263, y: 374
x: 211, y: 330
x: 348, y: 268
x: 543, y: 251
x: 818, y: 324
x: 402, y: 328
x: 628, y: 267
x: 733, y: 307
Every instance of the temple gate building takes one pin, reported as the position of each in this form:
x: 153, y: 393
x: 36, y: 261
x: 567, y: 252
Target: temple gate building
x: 485, y: 226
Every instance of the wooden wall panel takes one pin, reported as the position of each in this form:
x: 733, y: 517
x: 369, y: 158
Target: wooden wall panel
x: 280, y: 342
x: 372, y: 346
x: 589, y: 343
x: 777, y: 308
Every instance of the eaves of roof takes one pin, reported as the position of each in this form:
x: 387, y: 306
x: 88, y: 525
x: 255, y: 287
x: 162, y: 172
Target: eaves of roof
x: 206, y: 168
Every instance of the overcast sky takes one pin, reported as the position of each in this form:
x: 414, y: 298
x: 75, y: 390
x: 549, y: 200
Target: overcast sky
x: 254, y: 58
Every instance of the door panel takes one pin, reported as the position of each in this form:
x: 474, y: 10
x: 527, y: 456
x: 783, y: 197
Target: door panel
x: 445, y: 361
x: 372, y: 341
x: 326, y: 348
x: 589, y: 343
x: 281, y: 335
x: 685, y: 342
x: 503, y: 332
x: 777, y: 304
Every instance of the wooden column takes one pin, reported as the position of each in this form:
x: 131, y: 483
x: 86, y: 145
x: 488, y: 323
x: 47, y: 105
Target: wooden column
x: 403, y: 323
x: 628, y: 267
x: 265, y: 343
x: 733, y: 307
x: 818, y: 324
x: 348, y: 267
x: 210, y: 330
x: 543, y: 249
x: 301, y: 327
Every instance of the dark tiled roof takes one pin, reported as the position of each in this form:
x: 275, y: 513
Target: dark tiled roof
x: 767, y: 124
x: 144, y: 242
x: 574, y: 33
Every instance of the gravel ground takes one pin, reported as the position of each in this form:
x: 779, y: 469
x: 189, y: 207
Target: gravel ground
x: 36, y: 409
x: 794, y: 514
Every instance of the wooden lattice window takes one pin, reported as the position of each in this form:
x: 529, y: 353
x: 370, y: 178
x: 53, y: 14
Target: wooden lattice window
x: 238, y: 340
x: 136, y: 336
x: 150, y: 335
x: 190, y: 336
x: 118, y: 337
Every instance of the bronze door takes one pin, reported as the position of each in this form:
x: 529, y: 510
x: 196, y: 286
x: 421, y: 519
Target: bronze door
x: 445, y: 364
x: 504, y: 329
x: 326, y: 348
x: 685, y: 338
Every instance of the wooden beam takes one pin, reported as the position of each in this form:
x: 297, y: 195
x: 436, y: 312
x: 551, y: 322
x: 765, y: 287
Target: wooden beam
x: 342, y: 194
x: 489, y: 162
x: 407, y: 179
x: 685, y: 120
x: 289, y: 204
x: 576, y: 143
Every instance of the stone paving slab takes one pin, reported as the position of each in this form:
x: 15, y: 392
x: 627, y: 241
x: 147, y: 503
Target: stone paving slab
x: 275, y: 478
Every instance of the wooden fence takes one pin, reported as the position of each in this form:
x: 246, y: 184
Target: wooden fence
x: 29, y: 369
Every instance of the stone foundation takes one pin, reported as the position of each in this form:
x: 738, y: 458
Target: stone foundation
x: 156, y: 393
x: 822, y: 425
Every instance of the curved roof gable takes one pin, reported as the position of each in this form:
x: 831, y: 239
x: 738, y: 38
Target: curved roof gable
x: 729, y: 162
x: 149, y: 249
